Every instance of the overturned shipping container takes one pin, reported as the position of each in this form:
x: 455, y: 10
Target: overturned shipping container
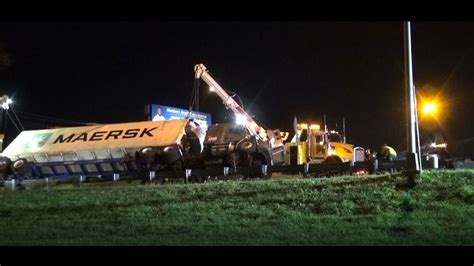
x: 99, y: 150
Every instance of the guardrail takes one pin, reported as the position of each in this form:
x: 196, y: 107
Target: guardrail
x: 115, y: 171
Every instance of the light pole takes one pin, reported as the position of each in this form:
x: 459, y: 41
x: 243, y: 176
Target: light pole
x: 411, y: 159
x: 418, y: 147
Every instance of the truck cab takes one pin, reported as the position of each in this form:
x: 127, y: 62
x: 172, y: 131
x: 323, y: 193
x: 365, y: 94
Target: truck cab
x: 313, y: 145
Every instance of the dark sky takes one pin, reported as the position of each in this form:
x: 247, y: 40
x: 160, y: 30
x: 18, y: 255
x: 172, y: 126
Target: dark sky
x: 107, y: 71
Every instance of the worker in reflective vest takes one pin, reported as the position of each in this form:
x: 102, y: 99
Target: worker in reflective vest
x: 388, y: 153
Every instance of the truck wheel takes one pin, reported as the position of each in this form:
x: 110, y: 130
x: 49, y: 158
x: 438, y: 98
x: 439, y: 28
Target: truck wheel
x: 21, y: 167
x: 246, y: 146
x: 5, y: 164
x: 170, y: 154
x: 146, y: 155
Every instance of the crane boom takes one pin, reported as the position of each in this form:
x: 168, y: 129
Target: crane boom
x: 254, y: 129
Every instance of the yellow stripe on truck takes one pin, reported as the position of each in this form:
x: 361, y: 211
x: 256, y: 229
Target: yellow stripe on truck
x: 108, y: 136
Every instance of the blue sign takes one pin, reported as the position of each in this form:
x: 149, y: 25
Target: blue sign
x: 163, y: 112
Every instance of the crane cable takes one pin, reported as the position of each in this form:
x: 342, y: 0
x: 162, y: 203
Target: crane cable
x: 13, y: 121
x: 234, y: 94
x: 194, y: 101
x: 17, y: 119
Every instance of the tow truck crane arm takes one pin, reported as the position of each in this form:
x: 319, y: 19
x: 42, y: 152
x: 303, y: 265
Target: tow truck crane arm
x: 254, y: 129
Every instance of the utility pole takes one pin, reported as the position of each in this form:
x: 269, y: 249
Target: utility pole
x: 411, y: 158
x: 418, y: 148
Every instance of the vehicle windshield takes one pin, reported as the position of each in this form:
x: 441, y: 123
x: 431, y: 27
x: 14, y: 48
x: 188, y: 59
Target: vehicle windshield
x: 334, y: 137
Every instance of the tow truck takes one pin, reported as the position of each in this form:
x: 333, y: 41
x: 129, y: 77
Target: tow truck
x: 244, y: 143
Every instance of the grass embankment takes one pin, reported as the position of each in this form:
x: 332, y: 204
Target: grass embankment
x: 336, y: 211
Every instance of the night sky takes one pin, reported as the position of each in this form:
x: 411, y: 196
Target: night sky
x: 105, y: 72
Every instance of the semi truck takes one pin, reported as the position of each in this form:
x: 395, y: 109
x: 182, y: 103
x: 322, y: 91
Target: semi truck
x: 311, y: 144
x: 101, y: 150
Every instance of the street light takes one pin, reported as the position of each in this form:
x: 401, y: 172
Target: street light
x: 429, y: 108
x: 5, y: 102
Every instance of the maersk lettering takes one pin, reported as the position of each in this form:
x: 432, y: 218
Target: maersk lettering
x: 105, y: 135
x: 131, y: 133
x: 61, y: 139
x: 114, y: 133
x: 97, y: 135
x: 82, y: 137
x: 147, y: 132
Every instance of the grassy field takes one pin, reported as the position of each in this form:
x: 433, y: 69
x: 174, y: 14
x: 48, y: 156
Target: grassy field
x: 336, y: 211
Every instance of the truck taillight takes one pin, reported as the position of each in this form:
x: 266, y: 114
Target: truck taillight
x: 361, y: 172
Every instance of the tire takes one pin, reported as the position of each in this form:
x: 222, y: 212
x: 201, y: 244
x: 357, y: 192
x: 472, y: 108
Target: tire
x: 146, y: 155
x: 246, y: 146
x: 21, y: 167
x: 170, y: 154
x: 5, y: 164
